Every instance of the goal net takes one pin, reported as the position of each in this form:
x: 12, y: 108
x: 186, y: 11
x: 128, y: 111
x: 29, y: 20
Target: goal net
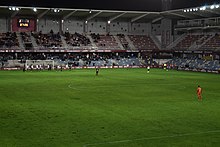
x: 39, y: 64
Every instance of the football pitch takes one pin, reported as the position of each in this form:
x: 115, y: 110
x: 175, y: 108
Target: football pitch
x: 117, y: 108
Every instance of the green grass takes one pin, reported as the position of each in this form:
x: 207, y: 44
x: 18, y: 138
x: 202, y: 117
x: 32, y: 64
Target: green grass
x: 78, y: 109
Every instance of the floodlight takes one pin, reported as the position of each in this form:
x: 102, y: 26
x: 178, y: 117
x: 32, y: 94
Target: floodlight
x: 203, y: 8
x: 212, y: 6
x: 13, y: 8
x: 216, y: 6
x: 35, y: 9
x: 86, y: 21
x: 109, y: 22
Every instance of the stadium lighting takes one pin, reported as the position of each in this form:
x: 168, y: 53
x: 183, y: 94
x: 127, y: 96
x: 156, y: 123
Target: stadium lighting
x: 62, y: 20
x: 13, y: 8
x: 191, y: 10
x: 86, y: 21
x: 203, y: 8
x: 184, y: 10
x: 187, y: 10
x: 216, y: 6
x: 35, y: 9
x: 90, y: 11
x: 109, y: 22
x: 56, y: 10
x: 212, y: 6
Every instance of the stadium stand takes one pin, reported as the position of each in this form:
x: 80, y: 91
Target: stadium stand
x: 195, y: 64
x: 66, y: 38
x: 8, y: 40
x: 76, y: 39
x: 188, y: 41
x: 143, y: 42
x: 213, y: 43
x: 123, y: 41
x: 26, y: 38
x: 106, y: 42
x: 48, y: 40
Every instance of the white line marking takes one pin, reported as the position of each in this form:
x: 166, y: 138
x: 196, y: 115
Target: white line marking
x: 122, y: 85
x: 69, y: 86
x: 151, y: 138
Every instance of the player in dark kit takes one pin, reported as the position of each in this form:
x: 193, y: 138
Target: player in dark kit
x: 97, y: 71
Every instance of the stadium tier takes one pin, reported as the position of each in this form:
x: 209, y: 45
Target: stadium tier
x: 8, y: 40
x: 150, y: 36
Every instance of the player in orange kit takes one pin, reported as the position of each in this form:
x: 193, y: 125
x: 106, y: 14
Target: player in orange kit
x: 199, y: 93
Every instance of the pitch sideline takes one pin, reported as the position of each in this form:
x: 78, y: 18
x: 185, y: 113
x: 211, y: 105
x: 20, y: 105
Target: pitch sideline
x: 151, y: 138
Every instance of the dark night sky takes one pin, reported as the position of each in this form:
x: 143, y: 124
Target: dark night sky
x: 145, y: 5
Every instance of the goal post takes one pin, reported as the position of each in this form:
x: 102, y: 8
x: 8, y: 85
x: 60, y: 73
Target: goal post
x: 39, y: 64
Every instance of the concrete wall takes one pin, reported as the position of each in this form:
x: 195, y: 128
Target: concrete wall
x: 94, y: 26
x: 3, y: 25
x: 119, y: 28
x: 140, y: 28
x: 166, y: 35
x: 73, y: 26
x: 46, y: 24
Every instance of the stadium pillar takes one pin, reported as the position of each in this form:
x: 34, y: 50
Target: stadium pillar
x: 166, y: 25
x: 37, y: 25
x: 61, y: 29
x: 107, y: 27
x: 9, y: 24
x: 129, y: 27
x: 85, y: 27
x: 166, y: 32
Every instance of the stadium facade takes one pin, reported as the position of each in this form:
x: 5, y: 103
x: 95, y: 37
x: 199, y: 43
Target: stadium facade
x: 86, y: 37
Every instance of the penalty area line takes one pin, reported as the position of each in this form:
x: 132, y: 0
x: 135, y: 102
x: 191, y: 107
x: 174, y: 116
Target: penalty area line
x: 151, y: 138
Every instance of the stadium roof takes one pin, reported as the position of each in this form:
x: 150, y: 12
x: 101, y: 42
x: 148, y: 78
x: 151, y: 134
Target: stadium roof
x: 111, y: 15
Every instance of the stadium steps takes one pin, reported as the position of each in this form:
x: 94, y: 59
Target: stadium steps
x: 156, y: 41
x: 20, y: 41
x: 118, y: 42
x: 130, y: 44
x: 64, y: 42
x: 92, y: 41
x: 213, y: 35
x: 194, y: 45
x: 175, y: 42
x: 203, y: 39
x: 33, y: 41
